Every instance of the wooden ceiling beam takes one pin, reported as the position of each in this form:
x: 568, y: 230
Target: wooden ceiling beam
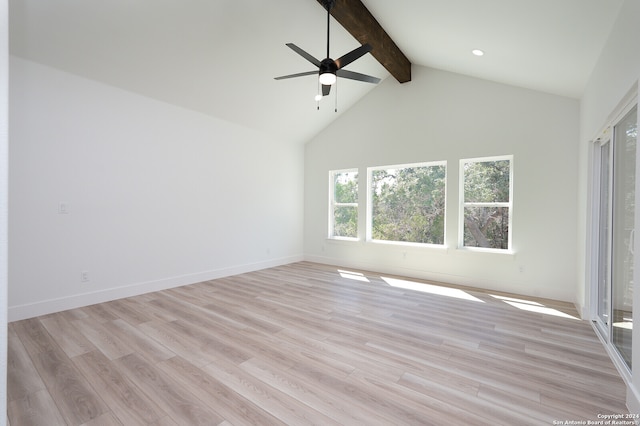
x: 363, y: 26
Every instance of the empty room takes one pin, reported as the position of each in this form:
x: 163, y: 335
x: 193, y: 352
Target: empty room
x: 319, y: 212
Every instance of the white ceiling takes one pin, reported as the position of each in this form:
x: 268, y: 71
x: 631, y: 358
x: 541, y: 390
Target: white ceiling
x: 219, y: 57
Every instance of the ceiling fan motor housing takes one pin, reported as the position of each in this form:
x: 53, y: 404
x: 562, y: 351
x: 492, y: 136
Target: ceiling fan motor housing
x: 328, y: 65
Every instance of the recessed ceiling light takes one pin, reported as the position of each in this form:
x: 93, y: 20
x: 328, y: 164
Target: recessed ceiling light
x: 477, y: 52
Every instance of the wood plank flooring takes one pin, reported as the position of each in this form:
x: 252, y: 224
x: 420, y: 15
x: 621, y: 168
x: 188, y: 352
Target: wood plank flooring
x: 310, y: 344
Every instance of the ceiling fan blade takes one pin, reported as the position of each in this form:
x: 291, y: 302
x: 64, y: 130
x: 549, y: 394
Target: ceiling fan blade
x: 325, y: 89
x: 300, y: 74
x: 346, y: 59
x: 357, y: 76
x: 304, y: 54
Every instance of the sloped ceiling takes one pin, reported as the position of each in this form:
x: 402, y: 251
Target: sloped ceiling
x: 219, y: 57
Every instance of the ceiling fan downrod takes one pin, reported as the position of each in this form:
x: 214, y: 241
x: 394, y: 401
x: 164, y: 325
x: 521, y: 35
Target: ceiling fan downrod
x: 328, y: 4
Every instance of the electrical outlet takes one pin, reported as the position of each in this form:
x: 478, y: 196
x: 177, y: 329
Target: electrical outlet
x: 84, y: 276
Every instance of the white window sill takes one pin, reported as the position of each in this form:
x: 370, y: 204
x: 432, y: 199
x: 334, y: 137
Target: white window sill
x: 408, y: 244
x: 343, y: 239
x: 499, y: 252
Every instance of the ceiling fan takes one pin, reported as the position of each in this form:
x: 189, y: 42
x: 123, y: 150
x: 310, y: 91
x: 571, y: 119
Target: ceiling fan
x: 329, y: 69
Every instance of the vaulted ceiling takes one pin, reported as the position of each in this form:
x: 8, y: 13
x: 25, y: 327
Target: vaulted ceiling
x: 219, y: 57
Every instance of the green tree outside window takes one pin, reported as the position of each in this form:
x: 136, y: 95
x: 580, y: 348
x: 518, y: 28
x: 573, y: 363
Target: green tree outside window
x: 408, y: 204
x: 344, y: 214
x: 486, y: 203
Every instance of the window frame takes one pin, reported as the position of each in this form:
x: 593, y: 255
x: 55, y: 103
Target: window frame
x: 462, y: 204
x: 333, y: 205
x: 369, y: 204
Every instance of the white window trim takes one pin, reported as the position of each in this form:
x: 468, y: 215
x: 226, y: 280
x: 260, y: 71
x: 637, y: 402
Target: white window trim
x: 369, y: 205
x: 332, y: 205
x: 462, y: 204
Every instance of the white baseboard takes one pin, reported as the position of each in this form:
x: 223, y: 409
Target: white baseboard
x: 633, y: 400
x: 20, y: 312
x: 583, y: 312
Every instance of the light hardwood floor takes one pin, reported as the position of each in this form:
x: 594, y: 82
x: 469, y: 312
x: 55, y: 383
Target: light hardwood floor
x: 308, y: 344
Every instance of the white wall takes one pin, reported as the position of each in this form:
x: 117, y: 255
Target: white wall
x: 617, y: 70
x: 4, y: 189
x: 157, y: 195
x: 445, y: 116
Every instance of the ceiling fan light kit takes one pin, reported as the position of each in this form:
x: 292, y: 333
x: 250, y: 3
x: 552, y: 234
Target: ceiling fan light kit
x: 328, y: 69
x: 327, y: 78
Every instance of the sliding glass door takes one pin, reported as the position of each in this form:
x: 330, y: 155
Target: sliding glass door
x: 624, y: 191
x: 615, y: 231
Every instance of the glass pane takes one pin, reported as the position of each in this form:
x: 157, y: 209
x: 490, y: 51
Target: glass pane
x: 625, y: 134
x: 345, y: 221
x: 346, y: 187
x: 604, y: 304
x: 486, y: 227
x: 407, y: 204
x: 486, y: 181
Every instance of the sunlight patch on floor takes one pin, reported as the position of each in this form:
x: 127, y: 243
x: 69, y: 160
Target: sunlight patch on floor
x: 531, y: 306
x: 627, y: 325
x: 353, y: 275
x: 429, y: 288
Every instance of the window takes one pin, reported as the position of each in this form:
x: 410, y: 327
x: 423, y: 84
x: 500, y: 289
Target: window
x: 408, y: 203
x: 343, y: 218
x: 486, y: 202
